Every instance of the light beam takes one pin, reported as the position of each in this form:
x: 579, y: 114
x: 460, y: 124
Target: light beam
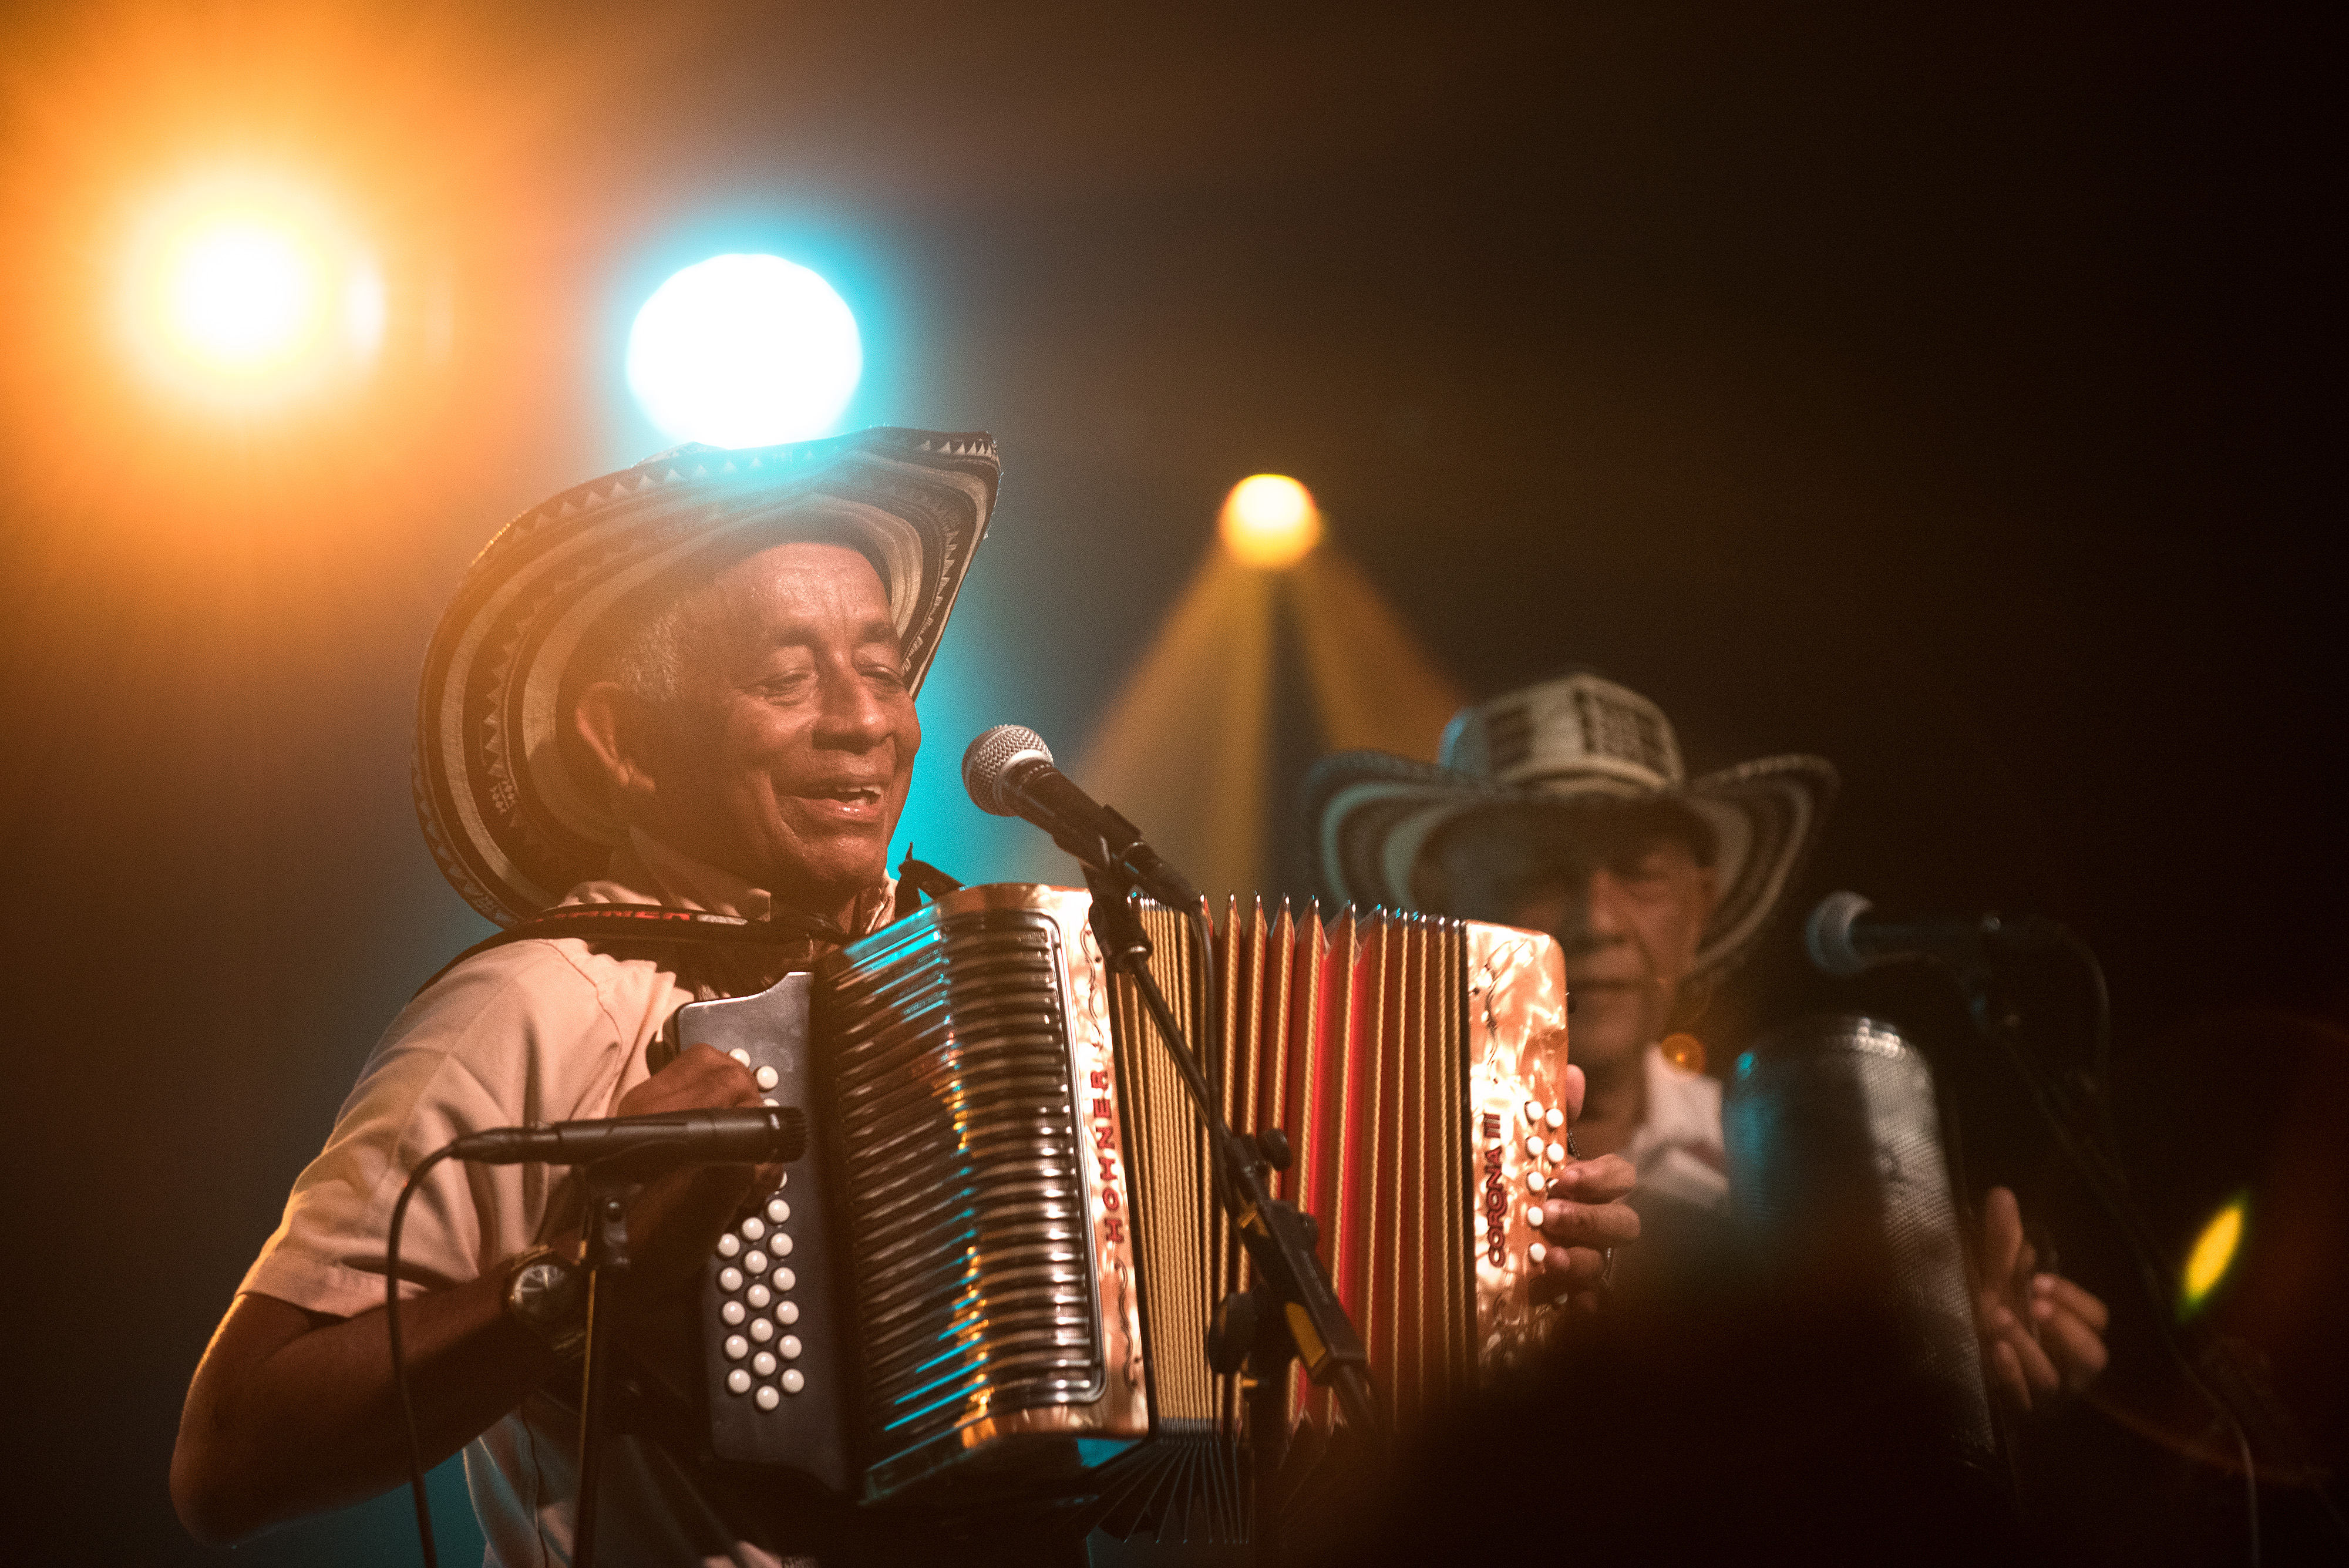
x: 1186, y: 748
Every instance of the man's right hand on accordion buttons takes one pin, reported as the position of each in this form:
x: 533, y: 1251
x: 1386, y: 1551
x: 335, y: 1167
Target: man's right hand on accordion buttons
x: 1591, y: 1219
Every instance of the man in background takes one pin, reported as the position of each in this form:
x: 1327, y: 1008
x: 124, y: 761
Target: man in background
x: 1564, y: 807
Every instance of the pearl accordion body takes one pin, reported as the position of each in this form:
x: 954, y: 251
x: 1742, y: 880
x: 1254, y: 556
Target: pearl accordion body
x: 998, y: 1261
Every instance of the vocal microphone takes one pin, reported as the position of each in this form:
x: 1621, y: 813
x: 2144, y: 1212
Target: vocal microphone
x: 1009, y: 772
x: 1843, y: 937
x: 760, y: 1136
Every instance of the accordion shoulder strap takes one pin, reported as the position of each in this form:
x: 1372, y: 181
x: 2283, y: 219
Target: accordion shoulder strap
x: 699, y: 928
x: 656, y: 923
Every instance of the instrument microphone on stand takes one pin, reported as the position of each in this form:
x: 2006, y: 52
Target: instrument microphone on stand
x: 1844, y: 938
x: 1841, y: 1191
x: 758, y: 1136
x: 1009, y: 772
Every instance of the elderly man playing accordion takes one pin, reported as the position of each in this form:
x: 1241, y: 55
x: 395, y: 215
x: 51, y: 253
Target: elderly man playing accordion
x: 689, y: 686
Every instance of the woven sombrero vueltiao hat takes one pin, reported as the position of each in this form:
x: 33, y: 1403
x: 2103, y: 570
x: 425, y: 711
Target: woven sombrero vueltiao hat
x: 1565, y: 743
x: 510, y: 823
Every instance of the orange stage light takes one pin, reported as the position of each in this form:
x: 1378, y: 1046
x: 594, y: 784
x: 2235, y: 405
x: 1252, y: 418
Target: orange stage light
x: 241, y: 290
x: 1269, y: 521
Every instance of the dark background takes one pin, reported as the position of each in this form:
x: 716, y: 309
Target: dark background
x: 1955, y: 394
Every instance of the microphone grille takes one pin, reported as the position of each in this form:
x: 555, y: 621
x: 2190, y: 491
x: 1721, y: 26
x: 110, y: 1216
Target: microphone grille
x: 1827, y: 934
x: 791, y: 1133
x: 990, y: 756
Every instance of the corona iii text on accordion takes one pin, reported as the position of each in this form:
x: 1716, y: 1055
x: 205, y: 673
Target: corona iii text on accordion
x: 999, y: 1260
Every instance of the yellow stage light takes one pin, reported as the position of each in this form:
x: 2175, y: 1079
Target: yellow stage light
x: 1185, y: 747
x: 243, y: 290
x: 1270, y: 521
x: 2213, y: 1254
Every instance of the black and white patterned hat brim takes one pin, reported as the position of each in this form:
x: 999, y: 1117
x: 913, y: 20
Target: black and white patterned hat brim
x: 1372, y: 814
x: 511, y: 826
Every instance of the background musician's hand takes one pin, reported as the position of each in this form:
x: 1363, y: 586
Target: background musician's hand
x: 676, y: 1220
x: 1584, y: 1214
x: 2041, y: 1334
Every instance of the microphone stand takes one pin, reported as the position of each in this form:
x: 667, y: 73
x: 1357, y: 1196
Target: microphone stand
x: 610, y: 1188
x: 1307, y: 1321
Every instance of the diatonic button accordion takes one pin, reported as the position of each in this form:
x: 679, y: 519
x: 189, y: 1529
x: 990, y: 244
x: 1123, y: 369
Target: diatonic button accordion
x: 1000, y: 1260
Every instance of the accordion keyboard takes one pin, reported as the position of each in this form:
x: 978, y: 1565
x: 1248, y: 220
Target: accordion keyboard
x: 773, y: 1353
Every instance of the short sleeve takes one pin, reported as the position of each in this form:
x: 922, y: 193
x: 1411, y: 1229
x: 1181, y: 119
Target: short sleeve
x: 519, y: 1034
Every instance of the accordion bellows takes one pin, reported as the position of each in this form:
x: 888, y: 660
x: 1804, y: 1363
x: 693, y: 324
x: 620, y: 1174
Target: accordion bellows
x: 1020, y: 1250
x: 1395, y: 1052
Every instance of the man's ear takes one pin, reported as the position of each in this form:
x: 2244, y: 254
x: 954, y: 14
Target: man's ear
x: 610, y: 722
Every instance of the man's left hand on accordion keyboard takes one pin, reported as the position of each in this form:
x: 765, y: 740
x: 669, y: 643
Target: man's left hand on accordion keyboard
x: 1591, y: 1218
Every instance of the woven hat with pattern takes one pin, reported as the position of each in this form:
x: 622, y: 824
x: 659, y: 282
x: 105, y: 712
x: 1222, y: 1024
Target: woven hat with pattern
x: 511, y: 824
x: 1562, y: 744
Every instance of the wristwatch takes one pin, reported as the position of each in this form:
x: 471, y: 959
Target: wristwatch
x: 548, y: 1294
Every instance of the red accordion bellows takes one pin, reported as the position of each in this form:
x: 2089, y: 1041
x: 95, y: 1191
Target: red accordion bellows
x: 1403, y: 1056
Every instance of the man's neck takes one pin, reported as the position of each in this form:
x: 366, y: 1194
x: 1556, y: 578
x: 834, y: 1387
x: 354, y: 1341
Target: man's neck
x: 1614, y: 1101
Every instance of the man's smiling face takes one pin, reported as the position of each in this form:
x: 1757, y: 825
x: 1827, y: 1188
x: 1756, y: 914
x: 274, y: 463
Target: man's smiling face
x: 786, y: 753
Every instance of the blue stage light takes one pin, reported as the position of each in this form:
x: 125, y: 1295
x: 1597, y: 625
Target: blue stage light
x: 744, y: 351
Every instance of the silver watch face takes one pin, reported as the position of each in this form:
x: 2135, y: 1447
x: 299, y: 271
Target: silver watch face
x: 545, y: 1293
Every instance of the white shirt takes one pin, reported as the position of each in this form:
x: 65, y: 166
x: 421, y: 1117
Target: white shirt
x: 1677, y: 1147
x: 541, y: 1031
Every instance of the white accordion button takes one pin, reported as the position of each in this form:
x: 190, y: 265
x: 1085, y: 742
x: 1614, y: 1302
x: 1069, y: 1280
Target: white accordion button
x: 732, y: 1312
x: 738, y: 1382
x: 1533, y: 1216
x: 1536, y: 1181
x: 785, y: 1279
x: 753, y: 1228
x: 768, y: 1398
x: 762, y: 1330
x: 764, y: 1363
x: 778, y: 1210
x: 1532, y: 1148
x: 729, y: 1244
x: 767, y: 1077
x: 788, y: 1313
x: 771, y: 1102
x: 1537, y: 1252
x: 781, y: 1244
x: 1557, y: 1153
x: 782, y: 1182
x: 793, y: 1382
x: 729, y: 1278
x: 737, y: 1348
x: 1533, y: 1111
x: 754, y: 1261
x: 758, y: 1296
x: 1556, y: 1118
x: 790, y: 1345
x: 741, y: 1055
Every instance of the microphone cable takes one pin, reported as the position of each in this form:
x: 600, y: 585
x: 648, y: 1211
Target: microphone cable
x: 398, y: 1354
